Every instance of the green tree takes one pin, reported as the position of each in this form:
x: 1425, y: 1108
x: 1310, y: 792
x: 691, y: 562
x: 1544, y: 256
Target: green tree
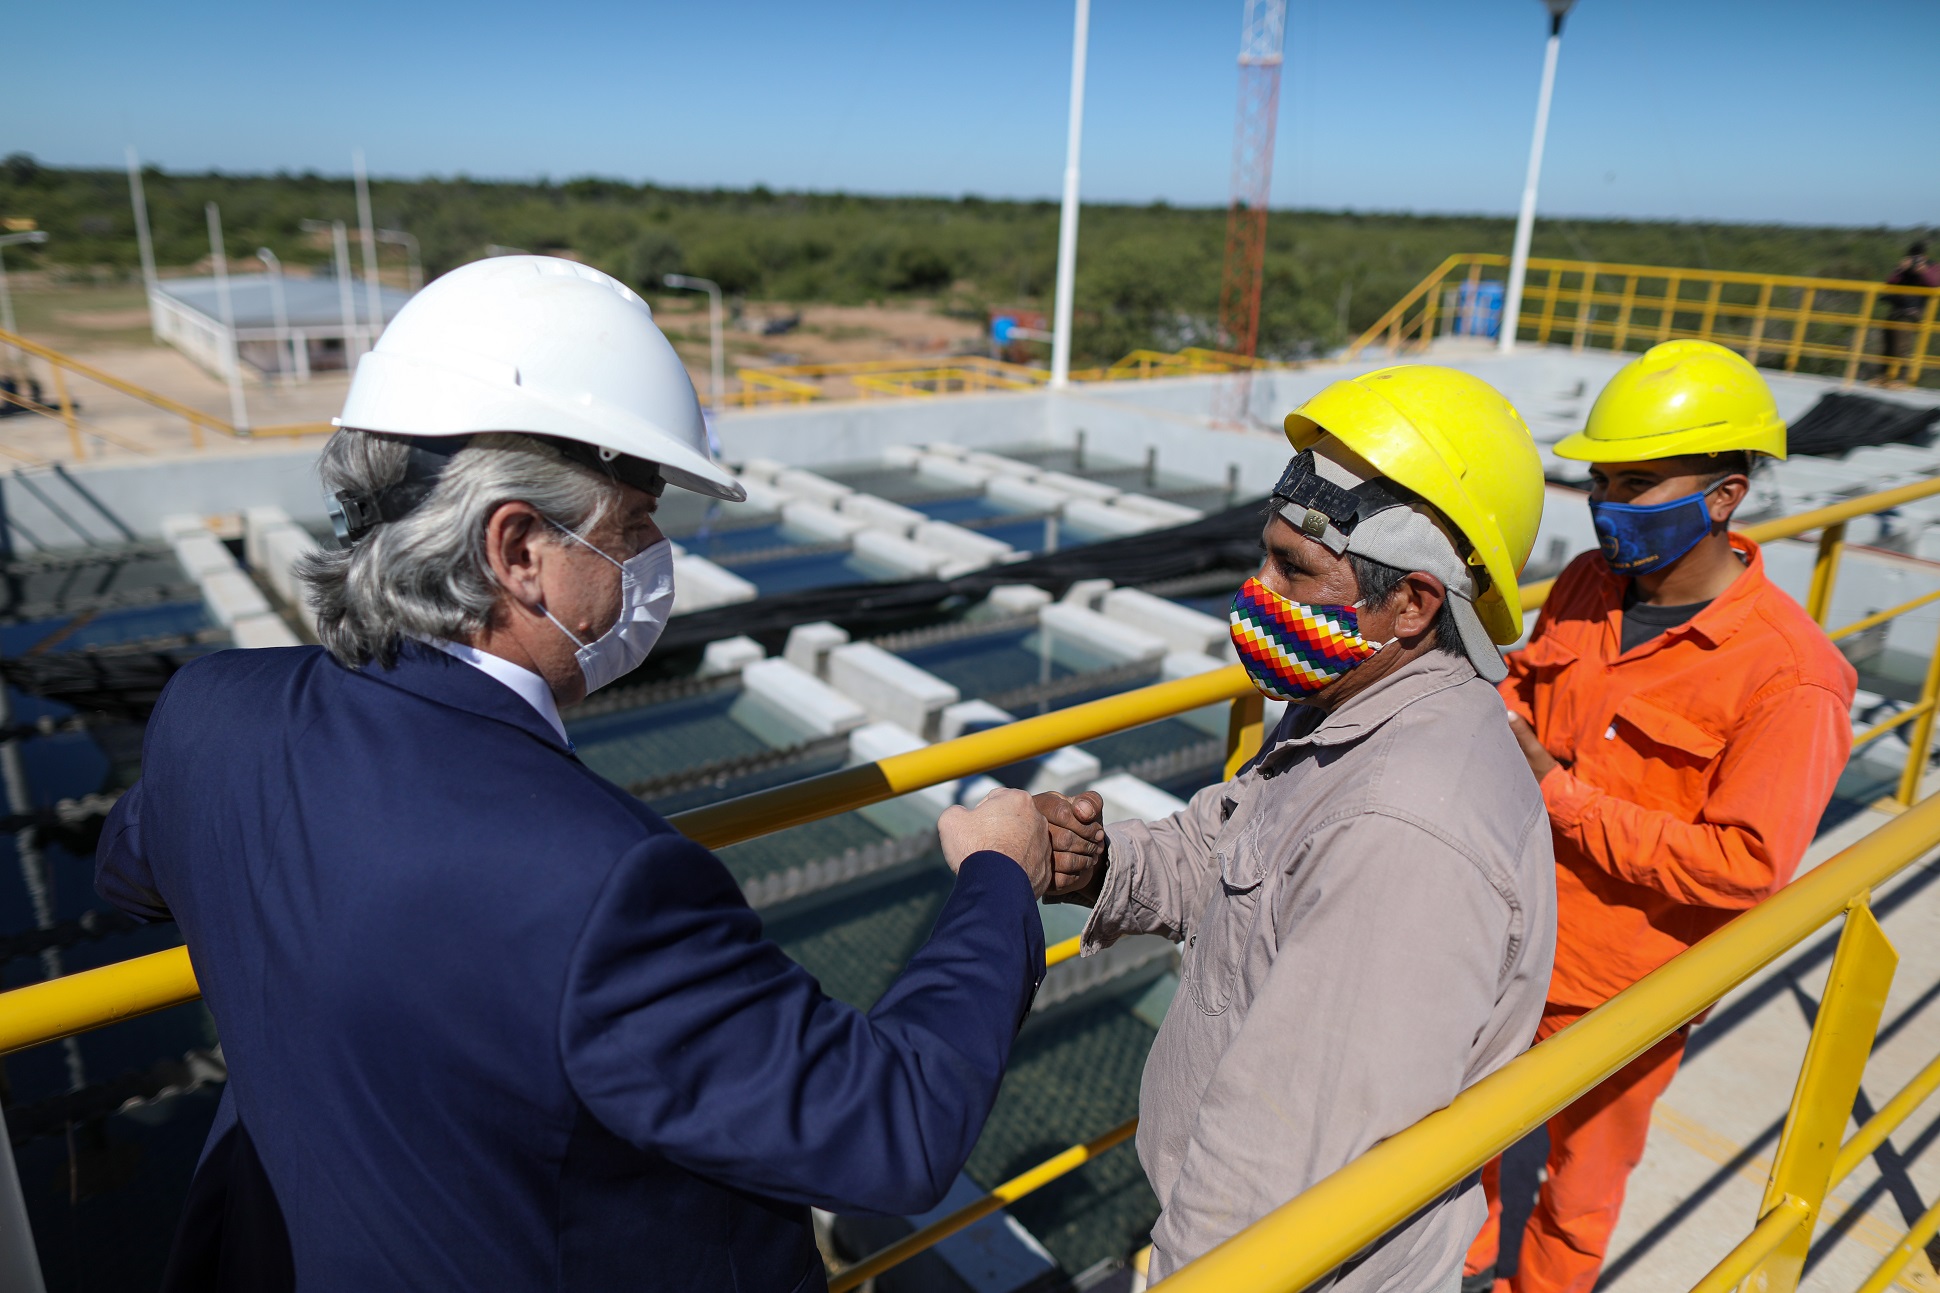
x: 656, y: 254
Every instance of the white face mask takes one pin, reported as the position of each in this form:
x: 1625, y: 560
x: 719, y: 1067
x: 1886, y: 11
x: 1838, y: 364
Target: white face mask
x: 646, y: 599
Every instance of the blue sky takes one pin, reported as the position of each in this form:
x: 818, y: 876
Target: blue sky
x: 1785, y: 110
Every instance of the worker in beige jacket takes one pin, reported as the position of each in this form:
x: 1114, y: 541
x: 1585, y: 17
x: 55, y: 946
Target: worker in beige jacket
x: 1368, y: 909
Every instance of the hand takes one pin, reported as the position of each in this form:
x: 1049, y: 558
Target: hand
x: 1005, y: 822
x: 1532, y: 749
x: 1077, y: 840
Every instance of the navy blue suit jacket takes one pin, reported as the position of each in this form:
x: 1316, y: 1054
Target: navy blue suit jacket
x: 491, y: 1023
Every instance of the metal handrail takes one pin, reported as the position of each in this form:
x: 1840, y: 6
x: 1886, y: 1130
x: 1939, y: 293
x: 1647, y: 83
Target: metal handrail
x: 1781, y: 1224
x: 90, y: 999
x: 1058, y: 1165
x: 196, y: 418
x: 939, y: 374
x: 1304, y: 1239
x: 140, y: 985
x: 1790, y: 318
x: 44, y: 1012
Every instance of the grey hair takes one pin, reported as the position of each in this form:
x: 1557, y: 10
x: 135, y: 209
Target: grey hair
x: 426, y: 576
x: 1379, y: 583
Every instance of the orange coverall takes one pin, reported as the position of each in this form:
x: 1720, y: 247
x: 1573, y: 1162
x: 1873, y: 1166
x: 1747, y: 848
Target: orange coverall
x: 1694, y: 770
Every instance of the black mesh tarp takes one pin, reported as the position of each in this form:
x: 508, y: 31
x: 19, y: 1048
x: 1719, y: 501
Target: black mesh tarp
x: 123, y: 685
x: 1840, y: 421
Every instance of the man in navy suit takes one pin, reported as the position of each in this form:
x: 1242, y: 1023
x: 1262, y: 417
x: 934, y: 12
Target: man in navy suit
x: 490, y: 1022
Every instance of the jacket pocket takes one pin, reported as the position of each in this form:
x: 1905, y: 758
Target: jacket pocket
x: 1676, y: 739
x: 1216, y: 949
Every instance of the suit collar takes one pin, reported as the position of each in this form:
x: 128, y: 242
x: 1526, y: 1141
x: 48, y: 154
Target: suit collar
x: 426, y: 671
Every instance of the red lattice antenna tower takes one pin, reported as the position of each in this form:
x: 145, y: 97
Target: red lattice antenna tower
x: 1263, y: 34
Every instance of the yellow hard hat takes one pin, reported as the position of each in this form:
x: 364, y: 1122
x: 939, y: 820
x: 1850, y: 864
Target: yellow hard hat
x: 1454, y: 440
x: 1677, y: 398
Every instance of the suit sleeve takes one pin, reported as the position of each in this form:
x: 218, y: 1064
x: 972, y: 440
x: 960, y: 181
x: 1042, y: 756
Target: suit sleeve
x: 1772, y: 785
x: 121, y: 871
x: 687, y: 1033
x: 123, y: 874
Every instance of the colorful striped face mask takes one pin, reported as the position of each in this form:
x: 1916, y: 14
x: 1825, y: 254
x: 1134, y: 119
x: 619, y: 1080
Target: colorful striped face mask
x: 1292, y: 649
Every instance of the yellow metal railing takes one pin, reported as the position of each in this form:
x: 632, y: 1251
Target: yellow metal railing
x: 759, y: 387
x: 939, y: 381
x: 1314, y: 1233
x: 1832, y: 326
x: 63, y: 368
x: 956, y: 374
x: 1441, y: 1149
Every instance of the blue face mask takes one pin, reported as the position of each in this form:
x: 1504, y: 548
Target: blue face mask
x: 1639, y: 540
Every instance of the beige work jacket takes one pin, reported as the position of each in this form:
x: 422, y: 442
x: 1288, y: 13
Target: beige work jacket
x: 1368, y: 914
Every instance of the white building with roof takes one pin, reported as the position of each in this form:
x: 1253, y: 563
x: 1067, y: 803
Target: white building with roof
x: 283, y: 324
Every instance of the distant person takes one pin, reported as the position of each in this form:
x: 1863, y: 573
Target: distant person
x: 490, y: 1022
x: 1368, y: 908
x: 1686, y: 723
x: 1914, y: 270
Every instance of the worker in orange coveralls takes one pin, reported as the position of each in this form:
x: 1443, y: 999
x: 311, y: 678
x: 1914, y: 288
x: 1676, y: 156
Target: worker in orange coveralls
x: 1687, y: 722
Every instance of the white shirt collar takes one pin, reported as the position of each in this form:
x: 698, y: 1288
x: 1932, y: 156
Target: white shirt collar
x: 530, y: 687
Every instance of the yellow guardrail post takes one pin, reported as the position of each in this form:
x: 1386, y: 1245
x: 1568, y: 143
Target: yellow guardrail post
x: 1860, y: 332
x: 66, y: 403
x: 1625, y: 306
x: 1801, y: 320
x: 1923, y: 341
x: 1835, y: 1061
x: 1825, y: 570
x: 1245, y: 731
x: 1920, y: 740
x: 1710, y: 316
x: 1552, y: 284
x: 1760, y: 313
x: 1881, y: 1125
x: 1583, y: 307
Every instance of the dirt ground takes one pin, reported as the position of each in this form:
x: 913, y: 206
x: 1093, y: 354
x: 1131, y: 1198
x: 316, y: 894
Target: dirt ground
x: 107, y: 327
x: 826, y: 334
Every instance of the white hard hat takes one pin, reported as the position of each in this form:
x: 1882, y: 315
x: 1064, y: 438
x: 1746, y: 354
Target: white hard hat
x: 543, y: 346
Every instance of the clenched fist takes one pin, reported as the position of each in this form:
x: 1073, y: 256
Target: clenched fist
x: 1077, y: 843
x: 1005, y: 822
